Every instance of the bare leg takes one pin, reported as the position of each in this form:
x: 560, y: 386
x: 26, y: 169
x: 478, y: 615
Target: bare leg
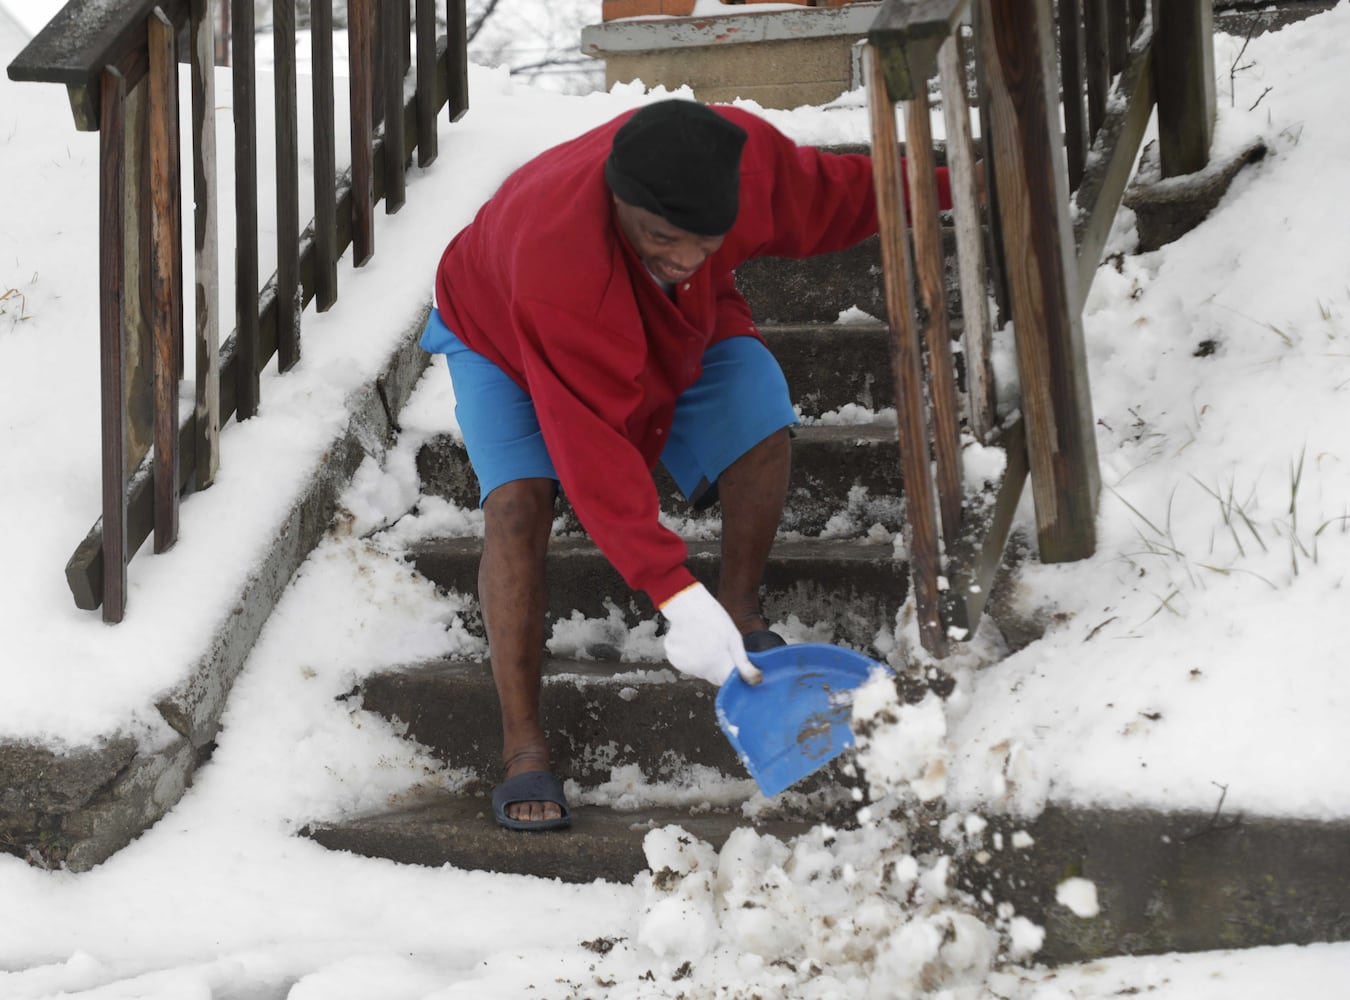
x: 517, y: 519
x: 752, y: 491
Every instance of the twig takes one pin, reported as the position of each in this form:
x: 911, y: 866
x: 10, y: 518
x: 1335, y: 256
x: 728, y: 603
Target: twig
x: 1261, y: 98
x: 477, y: 24
x: 1098, y: 628
x: 1166, y: 602
x: 1214, y: 826
x: 1234, y: 69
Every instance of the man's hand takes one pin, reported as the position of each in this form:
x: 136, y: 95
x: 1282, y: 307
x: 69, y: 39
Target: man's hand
x: 703, y: 641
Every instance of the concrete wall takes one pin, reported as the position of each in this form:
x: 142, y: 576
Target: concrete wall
x: 780, y: 58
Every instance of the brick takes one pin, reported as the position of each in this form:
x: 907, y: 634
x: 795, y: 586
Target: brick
x: 614, y: 9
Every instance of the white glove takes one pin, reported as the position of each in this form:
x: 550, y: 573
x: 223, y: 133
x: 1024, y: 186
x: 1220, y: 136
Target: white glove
x: 703, y: 641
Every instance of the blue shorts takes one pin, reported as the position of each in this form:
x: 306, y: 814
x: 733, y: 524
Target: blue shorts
x: 740, y: 399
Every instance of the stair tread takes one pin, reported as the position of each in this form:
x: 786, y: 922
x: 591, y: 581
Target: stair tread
x: 784, y: 549
x: 880, y: 428
x: 602, y: 843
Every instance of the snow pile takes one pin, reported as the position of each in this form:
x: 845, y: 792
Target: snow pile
x: 854, y: 913
x: 833, y: 914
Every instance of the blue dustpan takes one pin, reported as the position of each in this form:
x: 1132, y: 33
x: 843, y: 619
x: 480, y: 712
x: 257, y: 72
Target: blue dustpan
x: 796, y: 720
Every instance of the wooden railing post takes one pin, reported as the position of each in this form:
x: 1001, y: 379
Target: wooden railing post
x: 1071, y: 39
x: 457, y: 47
x: 166, y: 261
x: 248, y: 351
x: 972, y: 266
x: 897, y: 272
x: 289, y: 296
x: 362, y: 77
x: 427, y: 145
x: 206, y: 443
x: 392, y: 40
x: 112, y: 367
x: 325, y: 157
x: 1018, y: 48
x: 931, y: 296
x: 1183, y: 80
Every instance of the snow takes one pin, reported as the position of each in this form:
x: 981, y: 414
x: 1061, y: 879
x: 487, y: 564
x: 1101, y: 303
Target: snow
x: 1196, y: 655
x: 1079, y: 895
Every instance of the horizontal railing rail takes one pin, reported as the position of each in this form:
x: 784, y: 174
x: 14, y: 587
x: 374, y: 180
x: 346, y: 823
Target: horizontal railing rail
x: 119, y: 64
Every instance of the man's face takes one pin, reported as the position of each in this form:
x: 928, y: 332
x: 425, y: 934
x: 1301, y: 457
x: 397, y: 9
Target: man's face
x: 670, y: 253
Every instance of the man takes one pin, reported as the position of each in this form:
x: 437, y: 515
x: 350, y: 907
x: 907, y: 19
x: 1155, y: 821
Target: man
x: 592, y: 327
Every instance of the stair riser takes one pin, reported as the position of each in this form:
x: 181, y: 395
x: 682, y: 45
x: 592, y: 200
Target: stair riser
x: 1177, y: 882
x: 824, y: 473
x: 593, y: 726
x: 830, y: 367
x: 818, y: 289
x: 602, y: 843
x: 855, y: 592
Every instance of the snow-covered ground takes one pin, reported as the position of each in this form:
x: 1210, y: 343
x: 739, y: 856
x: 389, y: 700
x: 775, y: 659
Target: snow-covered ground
x: 1198, y: 649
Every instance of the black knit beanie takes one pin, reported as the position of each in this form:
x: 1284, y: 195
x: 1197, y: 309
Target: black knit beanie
x: 682, y: 161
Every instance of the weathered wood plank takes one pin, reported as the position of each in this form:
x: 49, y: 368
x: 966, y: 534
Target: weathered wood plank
x: 325, y: 156
x: 112, y: 181
x: 1033, y: 186
x: 1183, y: 66
x: 971, y: 266
x: 360, y: 43
x: 931, y: 318
x: 82, y: 39
x: 138, y: 349
x: 391, y: 63
x: 245, y: 78
x: 205, y: 449
x: 288, y: 185
x: 1113, y: 154
x: 905, y: 38
x: 166, y: 261
x: 889, y: 181
x: 426, y: 83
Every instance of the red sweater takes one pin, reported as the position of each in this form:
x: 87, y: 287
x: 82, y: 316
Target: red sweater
x: 544, y: 284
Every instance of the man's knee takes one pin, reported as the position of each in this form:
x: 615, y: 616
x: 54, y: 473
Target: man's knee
x: 522, y: 508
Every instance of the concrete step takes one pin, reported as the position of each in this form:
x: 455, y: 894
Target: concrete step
x: 602, y: 843
x: 829, y: 367
x: 599, y: 716
x: 852, y: 470
x: 853, y: 588
x: 1165, y: 882
x: 818, y: 289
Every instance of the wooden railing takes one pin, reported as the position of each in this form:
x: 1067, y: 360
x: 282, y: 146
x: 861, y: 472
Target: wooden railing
x: 119, y: 63
x: 1051, y: 196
